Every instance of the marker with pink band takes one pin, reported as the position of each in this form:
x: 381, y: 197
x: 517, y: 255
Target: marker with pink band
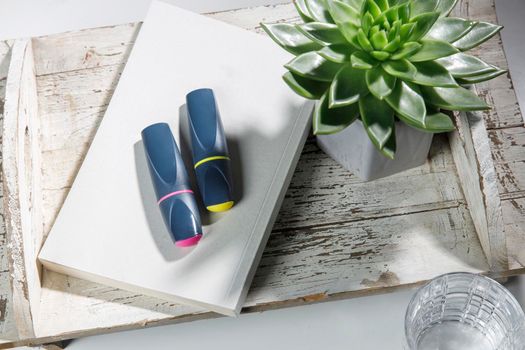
x: 169, y: 195
x: 172, y: 187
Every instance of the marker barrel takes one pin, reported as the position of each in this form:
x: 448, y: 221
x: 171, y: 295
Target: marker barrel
x: 172, y: 187
x: 211, y: 158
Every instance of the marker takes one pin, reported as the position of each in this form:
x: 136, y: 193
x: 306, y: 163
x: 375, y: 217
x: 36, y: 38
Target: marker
x: 210, y: 153
x: 174, y: 195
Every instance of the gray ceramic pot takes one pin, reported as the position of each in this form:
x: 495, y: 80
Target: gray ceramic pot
x: 353, y: 149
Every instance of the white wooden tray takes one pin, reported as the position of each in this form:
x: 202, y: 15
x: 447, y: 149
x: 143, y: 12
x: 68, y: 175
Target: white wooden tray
x: 336, y: 237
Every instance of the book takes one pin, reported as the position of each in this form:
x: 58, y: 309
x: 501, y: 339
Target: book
x: 110, y: 229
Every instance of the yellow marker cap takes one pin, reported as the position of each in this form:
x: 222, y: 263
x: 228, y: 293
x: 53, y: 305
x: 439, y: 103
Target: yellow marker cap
x: 217, y: 208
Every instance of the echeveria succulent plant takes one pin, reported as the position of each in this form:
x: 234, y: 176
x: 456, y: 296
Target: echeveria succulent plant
x: 382, y: 60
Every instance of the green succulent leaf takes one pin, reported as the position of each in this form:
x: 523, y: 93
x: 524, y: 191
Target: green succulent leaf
x: 343, y: 13
x: 331, y: 120
x: 463, y: 65
x: 379, y: 40
x: 356, y: 4
x: 373, y: 8
x: 380, y: 55
x: 374, y: 29
x: 480, y: 33
x: 402, y: 69
x: 393, y: 45
x: 423, y: 22
x: 407, y: 50
x: 418, y: 7
x: 436, y: 121
x: 380, y: 83
x: 290, y: 38
x: 392, y: 14
x: 383, y: 4
x: 482, y: 77
x: 394, y: 32
x: 453, y: 99
x: 313, y: 66
x: 363, y: 41
x: 450, y: 29
x: 304, y: 87
x: 362, y: 60
x: 322, y: 33
x: 404, y: 12
x: 319, y: 11
x: 336, y: 53
x: 389, y: 149
x: 431, y: 73
x: 432, y: 49
x: 406, y: 30
x: 366, y: 23
x: 410, y: 107
x: 348, y: 87
x: 398, y: 2
x: 346, y: 18
x: 378, y: 119
x: 443, y: 7
x: 302, y: 10
x: 349, y: 31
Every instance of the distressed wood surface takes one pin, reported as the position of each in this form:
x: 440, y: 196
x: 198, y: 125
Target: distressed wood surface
x: 470, y: 147
x: 335, y: 236
x: 506, y: 131
x: 20, y: 157
x: 8, y: 330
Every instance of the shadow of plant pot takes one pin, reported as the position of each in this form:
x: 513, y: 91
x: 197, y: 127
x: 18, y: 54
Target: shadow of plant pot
x: 353, y: 149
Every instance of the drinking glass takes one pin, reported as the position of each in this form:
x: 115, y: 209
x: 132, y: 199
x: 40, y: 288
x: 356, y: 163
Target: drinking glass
x: 464, y: 311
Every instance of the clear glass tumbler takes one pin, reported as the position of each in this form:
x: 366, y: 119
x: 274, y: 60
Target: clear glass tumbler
x: 464, y: 311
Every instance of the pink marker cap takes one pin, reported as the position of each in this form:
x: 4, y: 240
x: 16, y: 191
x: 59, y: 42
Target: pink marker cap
x: 188, y: 242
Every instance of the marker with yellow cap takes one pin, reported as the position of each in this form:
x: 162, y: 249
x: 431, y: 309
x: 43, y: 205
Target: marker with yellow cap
x: 210, y: 153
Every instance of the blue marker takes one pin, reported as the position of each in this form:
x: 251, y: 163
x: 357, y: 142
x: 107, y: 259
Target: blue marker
x: 210, y: 152
x: 174, y: 195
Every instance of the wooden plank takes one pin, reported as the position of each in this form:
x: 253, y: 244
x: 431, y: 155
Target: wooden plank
x: 356, y: 256
x: 5, y: 60
x: 322, y: 192
x: 508, y: 147
x: 317, y: 251
x: 93, y: 87
x: 502, y: 120
x: 72, y: 105
x: 514, y: 218
x: 21, y: 109
x: 471, y: 150
x: 505, y: 130
x: 8, y: 329
x: 97, y: 47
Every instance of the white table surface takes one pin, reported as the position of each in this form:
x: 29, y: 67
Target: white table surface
x: 366, y: 323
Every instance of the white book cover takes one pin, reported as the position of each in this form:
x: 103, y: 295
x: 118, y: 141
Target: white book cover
x: 110, y: 229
